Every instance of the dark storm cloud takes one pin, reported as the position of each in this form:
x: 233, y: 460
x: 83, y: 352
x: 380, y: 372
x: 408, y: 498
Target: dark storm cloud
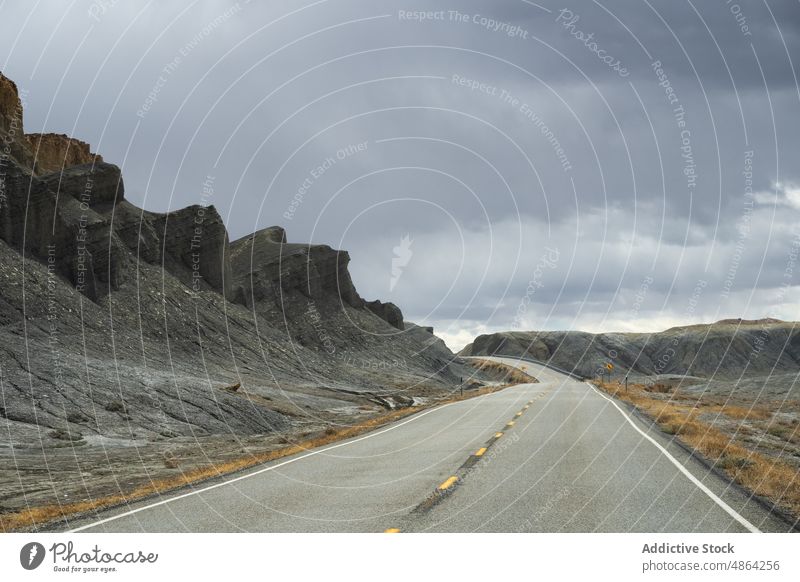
x: 486, y: 136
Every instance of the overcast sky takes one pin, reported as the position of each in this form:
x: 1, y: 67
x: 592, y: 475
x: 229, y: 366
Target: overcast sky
x: 556, y: 165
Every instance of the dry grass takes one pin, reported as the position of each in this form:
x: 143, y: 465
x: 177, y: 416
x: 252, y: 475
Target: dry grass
x: 769, y: 477
x: 789, y: 432
x: 659, y: 388
x: 510, y: 374
x: 742, y: 412
x: 171, y: 463
x: 38, y: 516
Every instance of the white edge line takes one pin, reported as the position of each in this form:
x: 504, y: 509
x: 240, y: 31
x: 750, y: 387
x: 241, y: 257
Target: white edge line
x: 728, y: 509
x: 264, y: 470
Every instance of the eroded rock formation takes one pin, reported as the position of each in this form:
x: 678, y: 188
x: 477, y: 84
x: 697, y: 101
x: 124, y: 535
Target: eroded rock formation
x: 174, y: 308
x: 389, y: 312
x: 54, y: 151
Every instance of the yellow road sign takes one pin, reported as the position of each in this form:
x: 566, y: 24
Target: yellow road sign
x: 610, y: 366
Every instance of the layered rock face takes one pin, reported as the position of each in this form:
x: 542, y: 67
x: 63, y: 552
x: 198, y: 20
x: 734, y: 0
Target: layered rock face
x: 65, y: 206
x: 195, y: 242
x: 55, y: 151
x: 389, y: 312
x: 64, y: 230
x: 41, y: 153
x: 10, y: 105
x: 116, y: 319
x: 12, y: 133
x: 276, y: 275
x: 58, y: 216
x: 94, y: 184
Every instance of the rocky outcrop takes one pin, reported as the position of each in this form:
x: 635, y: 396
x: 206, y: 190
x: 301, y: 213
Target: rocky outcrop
x: 51, y: 206
x: 77, y: 221
x: 195, y: 243
x: 10, y: 106
x: 275, y: 274
x: 75, y: 242
x: 275, y: 234
x: 12, y: 134
x: 55, y: 151
x: 41, y: 153
x: 136, y: 228
x: 93, y: 184
x: 162, y: 335
x: 54, y: 215
x: 389, y: 312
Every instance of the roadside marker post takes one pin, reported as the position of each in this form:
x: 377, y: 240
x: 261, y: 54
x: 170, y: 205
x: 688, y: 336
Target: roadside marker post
x: 609, y: 368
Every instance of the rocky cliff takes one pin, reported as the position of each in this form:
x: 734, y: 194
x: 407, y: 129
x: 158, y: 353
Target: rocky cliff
x: 132, y: 334
x: 123, y: 327
x: 273, y: 274
x: 10, y: 106
x: 12, y: 132
x: 55, y: 151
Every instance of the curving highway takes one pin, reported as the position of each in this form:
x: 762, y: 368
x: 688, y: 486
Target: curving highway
x: 546, y: 457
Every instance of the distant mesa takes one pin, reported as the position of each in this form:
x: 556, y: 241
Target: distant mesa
x: 722, y: 349
x: 732, y: 321
x: 740, y: 321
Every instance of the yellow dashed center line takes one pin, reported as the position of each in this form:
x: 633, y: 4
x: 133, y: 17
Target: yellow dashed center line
x: 479, y: 453
x: 449, y: 483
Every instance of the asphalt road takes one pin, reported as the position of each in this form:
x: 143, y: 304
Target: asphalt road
x: 573, y: 460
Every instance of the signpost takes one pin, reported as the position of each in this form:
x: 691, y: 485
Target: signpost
x: 609, y: 368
